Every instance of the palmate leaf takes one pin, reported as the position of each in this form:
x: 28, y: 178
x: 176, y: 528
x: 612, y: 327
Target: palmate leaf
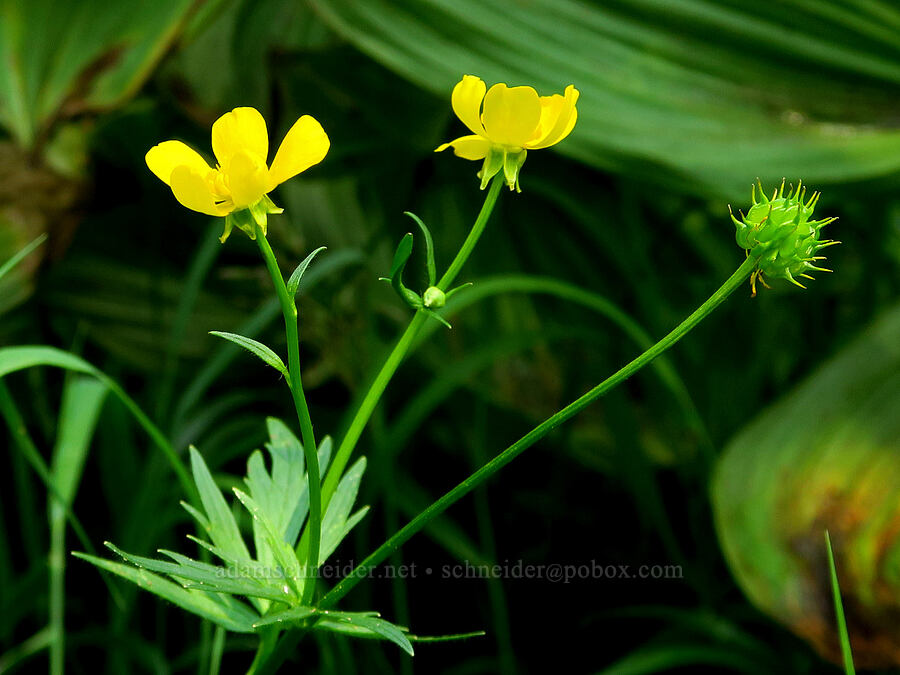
x: 278, y: 506
x: 203, y: 575
x: 700, y: 94
x: 284, y: 495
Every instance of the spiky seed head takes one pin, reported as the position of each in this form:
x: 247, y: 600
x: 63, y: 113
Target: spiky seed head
x: 779, y: 233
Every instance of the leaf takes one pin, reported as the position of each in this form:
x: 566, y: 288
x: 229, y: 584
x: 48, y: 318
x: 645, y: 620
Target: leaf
x: 663, y: 658
x: 223, y: 528
x: 284, y: 495
x: 294, y: 282
x: 13, y: 359
x: 336, y: 524
x: 826, y: 454
x: 222, y: 611
x: 267, y: 313
x: 283, y: 553
x: 363, y: 624
x: 288, y: 616
x: 81, y: 405
x: 429, y: 249
x: 86, y: 55
x: 21, y: 255
x: 258, y: 348
x: 766, y: 90
x: 210, y: 578
x: 846, y: 651
x: 401, y: 256
x: 82, y: 401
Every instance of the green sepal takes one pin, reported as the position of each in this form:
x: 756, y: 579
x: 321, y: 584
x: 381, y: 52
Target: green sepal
x: 437, y: 317
x: 449, y: 294
x: 429, y: 249
x: 247, y: 220
x: 512, y: 162
x: 493, y: 163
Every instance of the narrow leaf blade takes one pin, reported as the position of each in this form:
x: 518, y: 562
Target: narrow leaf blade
x: 258, y: 349
x: 293, y: 283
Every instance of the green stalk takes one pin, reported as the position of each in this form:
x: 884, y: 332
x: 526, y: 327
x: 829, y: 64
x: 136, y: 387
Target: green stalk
x: 289, y: 309
x: 373, y: 395
x: 536, y: 434
x: 287, y: 644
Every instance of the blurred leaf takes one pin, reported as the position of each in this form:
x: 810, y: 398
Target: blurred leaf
x: 826, y: 456
x: 704, y: 95
x: 13, y: 359
x: 666, y: 658
x: 18, y: 257
x: 66, y: 58
x: 82, y: 400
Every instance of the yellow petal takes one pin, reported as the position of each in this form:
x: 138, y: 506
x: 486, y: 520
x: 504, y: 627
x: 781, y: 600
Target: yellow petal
x: 192, y: 190
x: 466, y: 100
x: 551, y: 107
x: 468, y: 147
x: 305, y: 144
x: 241, y: 129
x: 511, y: 114
x: 247, y: 178
x: 557, y: 120
x: 163, y: 158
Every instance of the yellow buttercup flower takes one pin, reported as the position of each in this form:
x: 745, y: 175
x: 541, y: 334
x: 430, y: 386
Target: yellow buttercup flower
x: 506, y: 122
x: 238, y: 187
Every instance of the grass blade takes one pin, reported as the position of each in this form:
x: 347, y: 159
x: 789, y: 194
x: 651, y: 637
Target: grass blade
x: 839, y: 611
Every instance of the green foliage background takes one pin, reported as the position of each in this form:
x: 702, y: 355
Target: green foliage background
x: 684, y: 103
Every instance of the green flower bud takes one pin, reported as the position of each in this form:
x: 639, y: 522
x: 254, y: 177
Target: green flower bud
x: 434, y: 297
x: 780, y: 235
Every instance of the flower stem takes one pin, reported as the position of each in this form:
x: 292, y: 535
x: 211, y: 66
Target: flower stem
x: 289, y: 309
x: 373, y: 395
x: 536, y: 434
x: 288, y: 642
